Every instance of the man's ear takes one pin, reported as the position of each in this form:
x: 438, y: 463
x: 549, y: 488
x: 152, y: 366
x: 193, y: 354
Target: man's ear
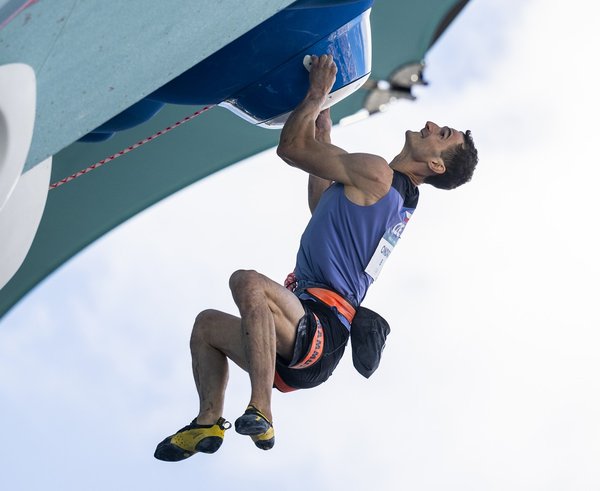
x: 437, y: 165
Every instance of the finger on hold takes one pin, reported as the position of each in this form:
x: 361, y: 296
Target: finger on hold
x: 308, y: 61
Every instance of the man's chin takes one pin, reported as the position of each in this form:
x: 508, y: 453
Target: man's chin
x: 411, y: 135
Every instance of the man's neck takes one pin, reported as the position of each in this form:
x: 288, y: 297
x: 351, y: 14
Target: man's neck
x: 408, y: 167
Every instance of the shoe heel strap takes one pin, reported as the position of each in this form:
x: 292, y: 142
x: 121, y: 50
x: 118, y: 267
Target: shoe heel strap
x: 223, y: 423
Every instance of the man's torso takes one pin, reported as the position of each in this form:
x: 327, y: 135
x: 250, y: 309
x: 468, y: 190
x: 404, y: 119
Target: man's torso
x: 345, y: 244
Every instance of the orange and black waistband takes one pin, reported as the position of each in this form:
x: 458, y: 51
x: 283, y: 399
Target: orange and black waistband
x: 334, y: 299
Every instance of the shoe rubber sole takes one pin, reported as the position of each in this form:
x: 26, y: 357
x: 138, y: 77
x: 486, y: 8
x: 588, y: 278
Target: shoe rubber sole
x: 255, y: 425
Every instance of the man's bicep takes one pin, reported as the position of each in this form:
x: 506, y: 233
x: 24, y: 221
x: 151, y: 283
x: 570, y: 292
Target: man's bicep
x: 364, y: 171
x: 333, y: 163
x: 320, y: 159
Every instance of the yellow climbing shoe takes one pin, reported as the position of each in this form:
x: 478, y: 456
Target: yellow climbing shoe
x: 266, y: 440
x: 191, y: 439
x: 257, y: 426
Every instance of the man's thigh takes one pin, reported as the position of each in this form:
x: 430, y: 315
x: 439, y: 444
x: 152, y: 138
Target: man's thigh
x: 287, y: 311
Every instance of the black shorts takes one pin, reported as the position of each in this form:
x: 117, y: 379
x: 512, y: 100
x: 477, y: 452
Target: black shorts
x: 320, y: 342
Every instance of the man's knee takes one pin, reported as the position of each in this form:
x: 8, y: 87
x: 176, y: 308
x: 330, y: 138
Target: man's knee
x: 244, y: 280
x: 204, y: 320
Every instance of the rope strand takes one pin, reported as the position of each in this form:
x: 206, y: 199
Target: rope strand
x: 128, y: 149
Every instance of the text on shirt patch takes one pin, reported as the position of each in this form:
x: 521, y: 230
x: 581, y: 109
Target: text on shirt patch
x: 387, y: 243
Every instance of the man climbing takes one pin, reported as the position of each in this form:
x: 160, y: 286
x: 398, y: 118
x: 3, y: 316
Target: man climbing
x: 294, y: 340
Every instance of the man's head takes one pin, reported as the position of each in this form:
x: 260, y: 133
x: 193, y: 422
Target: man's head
x: 448, y: 156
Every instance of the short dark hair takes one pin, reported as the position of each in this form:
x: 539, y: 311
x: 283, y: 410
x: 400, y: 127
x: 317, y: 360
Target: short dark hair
x: 460, y: 162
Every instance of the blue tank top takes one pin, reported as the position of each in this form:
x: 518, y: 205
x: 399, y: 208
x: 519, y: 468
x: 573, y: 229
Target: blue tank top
x: 342, y: 238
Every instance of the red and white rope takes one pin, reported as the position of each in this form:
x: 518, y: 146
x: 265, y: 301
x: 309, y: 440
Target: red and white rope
x: 25, y: 5
x: 128, y: 149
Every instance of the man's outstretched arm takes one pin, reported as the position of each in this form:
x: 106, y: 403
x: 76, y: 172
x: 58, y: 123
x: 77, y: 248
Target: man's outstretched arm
x: 318, y: 185
x: 299, y: 147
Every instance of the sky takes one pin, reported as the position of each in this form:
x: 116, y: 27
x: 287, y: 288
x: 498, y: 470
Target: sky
x: 489, y: 380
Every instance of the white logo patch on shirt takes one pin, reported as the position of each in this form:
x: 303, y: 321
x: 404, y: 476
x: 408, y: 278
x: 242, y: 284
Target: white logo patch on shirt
x: 387, y: 243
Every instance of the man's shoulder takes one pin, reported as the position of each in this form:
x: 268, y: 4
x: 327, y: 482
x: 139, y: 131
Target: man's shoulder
x: 371, y: 178
x: 373, y: 167
x: 371, y: 159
